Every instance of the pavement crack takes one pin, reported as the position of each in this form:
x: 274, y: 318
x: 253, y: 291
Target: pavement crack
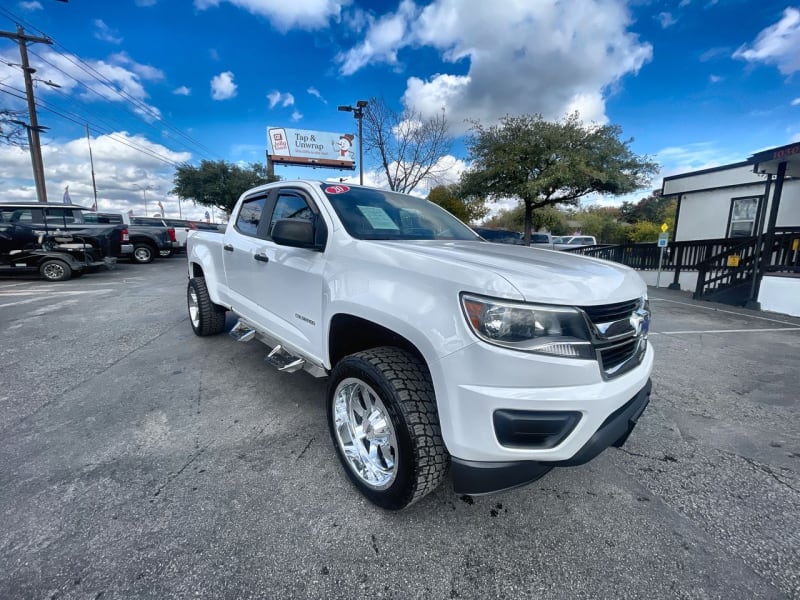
x: 303, y: 451
x: 766, y: 469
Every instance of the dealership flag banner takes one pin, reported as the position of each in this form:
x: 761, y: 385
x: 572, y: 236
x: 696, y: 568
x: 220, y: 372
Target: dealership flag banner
x: 67, y: 199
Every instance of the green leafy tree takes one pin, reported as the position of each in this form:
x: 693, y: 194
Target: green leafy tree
x: 603, y: 223
x: 544, y: 163
x: 468, y: 209
x: 644, y: 231
x: 653, y: 208
x: 218, y: 183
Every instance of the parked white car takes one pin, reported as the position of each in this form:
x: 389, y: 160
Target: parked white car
x: 566, y: 242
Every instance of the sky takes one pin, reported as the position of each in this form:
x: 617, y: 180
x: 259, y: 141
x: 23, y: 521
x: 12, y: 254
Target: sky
x: 693, y: 83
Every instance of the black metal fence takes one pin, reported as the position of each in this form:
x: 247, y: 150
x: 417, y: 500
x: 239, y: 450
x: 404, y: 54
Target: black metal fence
x: 720, y: 263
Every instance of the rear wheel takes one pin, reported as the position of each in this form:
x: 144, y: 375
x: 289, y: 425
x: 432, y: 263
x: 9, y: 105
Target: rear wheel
x: 206, y: 317
x: 55, y: 270
x: 383, y: 421
x: 143, y: 254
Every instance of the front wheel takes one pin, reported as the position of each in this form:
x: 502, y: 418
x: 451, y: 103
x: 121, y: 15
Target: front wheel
x: 55, y: 270
x: 383, y: 421
x: 206, y: 317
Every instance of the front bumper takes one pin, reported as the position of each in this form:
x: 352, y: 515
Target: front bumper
x: 482, y: 477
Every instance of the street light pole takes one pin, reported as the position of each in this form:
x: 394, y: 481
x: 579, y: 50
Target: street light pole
x: 358, y: 114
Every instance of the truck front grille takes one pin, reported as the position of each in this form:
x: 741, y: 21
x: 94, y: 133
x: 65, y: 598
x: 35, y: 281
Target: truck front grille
x: 610, y: 312
x: 620, y: 332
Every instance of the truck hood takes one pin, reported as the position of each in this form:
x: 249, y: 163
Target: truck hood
x: 546, y: 276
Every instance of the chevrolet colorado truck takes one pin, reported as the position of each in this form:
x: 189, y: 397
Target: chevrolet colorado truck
x: 442, y: 351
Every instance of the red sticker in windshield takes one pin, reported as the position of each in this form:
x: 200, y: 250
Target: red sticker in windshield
x: 336, y: 189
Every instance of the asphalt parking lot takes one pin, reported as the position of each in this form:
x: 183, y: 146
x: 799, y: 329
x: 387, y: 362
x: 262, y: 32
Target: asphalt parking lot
x: 139, y: 461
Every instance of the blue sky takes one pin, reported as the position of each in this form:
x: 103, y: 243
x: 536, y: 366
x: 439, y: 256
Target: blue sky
x: 696, y: 83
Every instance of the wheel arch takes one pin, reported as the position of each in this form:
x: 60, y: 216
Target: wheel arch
x: 348, y: 334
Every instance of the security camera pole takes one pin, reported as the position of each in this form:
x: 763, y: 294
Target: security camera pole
x: 358, y: 114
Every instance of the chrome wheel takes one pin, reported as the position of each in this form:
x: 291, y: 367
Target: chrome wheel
x: 53, y: 271
x: 194, y: 309
x: 142, y: 254
x: 365, y: 433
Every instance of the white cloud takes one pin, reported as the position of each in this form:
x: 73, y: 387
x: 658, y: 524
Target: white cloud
x: 146, y: 72
x: 127, y: 80
x: 303, y: 14
x: 296, y: 115
x: 384, y: 37
x: 666, y: 19
x: 222, y: 86
x: 536, y: 57
x: 796, y: 102
x: 182, y: 91
x: 275, y: 98
x: 31, y: 6
x: 105, y: 33
x: 715, y: 78
x: 315, y: 92
x: 146, y: 2
x: 120, y: 173
x: 778, y: 44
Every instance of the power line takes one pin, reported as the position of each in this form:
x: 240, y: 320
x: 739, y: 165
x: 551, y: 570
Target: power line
x: 105, y: 81
x: 81, y: 120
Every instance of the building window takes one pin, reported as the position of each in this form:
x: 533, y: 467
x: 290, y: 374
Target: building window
x: 744, y: 215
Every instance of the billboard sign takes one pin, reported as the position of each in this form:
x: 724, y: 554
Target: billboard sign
x: 307, y: 148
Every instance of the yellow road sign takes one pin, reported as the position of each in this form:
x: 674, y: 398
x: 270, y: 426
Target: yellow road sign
x: 664, y: 227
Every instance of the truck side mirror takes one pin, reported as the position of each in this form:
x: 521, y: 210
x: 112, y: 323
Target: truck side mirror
x: 297, y: 233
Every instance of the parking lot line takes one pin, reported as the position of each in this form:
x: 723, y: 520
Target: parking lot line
x: 761, y: 330
x: 50, y: 295
x: 721, y: 310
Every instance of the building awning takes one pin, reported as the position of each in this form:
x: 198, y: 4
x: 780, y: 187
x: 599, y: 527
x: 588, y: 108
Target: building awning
x: 769, y: 160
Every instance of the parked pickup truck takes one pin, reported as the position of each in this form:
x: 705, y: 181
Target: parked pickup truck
x: 56, y: 240
x: 441, y: 349
x: 146, y: 241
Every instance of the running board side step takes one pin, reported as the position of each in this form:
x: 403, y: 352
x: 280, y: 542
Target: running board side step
x: 242, y: 332
x: 283, y: 361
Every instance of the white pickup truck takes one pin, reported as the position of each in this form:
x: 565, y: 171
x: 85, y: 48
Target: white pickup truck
x: 441, y: 350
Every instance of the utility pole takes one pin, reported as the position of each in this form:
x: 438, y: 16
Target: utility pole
x: 34, y: 129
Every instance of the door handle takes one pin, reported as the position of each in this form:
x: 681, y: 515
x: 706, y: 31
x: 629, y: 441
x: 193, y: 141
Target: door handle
x: 228, y: 247
x: 261, y: 257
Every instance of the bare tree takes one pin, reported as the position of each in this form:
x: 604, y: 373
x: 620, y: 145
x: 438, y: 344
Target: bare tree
x: 407, y: 145
x: 11, y: 131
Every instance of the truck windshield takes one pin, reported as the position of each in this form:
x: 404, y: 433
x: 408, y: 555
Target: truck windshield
x: 370, y: 214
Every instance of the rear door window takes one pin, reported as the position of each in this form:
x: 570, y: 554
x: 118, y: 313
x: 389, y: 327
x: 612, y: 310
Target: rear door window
x: 249, y: 217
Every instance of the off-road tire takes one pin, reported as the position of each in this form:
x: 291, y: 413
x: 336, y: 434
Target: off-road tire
x: 403, y: 384
x: 143, y: 253
x: 53, y: 269
x: 209, y: 318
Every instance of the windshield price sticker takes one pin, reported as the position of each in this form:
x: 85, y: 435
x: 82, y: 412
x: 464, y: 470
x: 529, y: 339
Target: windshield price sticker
x: 337, y: 189
x: 378, y: 218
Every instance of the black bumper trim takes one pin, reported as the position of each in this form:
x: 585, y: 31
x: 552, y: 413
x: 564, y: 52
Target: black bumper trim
x: 477, y: 477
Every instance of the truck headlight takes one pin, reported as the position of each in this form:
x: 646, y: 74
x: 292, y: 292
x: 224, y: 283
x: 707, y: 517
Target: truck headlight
x: 554, y: 330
